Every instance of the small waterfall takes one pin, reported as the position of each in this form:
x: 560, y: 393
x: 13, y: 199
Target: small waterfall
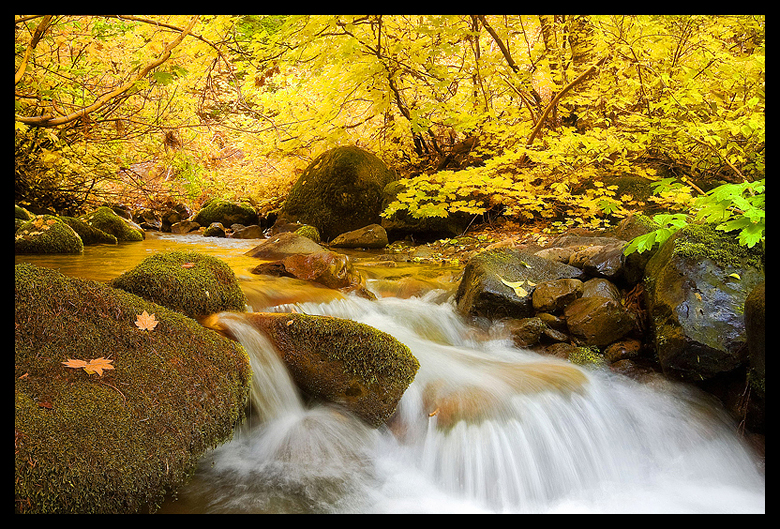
x: 484, y: 427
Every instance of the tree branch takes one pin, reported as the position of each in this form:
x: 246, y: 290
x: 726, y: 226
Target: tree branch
x: 49, y: 120
x: 37, y: 34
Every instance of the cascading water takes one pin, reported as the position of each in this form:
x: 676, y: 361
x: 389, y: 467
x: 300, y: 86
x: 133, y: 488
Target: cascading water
x: 484, y: 427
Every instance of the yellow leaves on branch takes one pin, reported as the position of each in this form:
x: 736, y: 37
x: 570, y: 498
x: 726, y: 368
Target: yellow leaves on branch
x: 93, y: 366
x: 146, y: 321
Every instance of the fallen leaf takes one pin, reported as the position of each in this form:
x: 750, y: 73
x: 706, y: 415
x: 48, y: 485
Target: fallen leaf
x: 46, y: 404
x: 93, y: 366
x: 146, y: 321
x: 188, y: 265
x: 517, y: 286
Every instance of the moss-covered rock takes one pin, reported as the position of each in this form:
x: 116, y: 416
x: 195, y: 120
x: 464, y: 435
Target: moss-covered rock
x: 47, y: 234
x: 185, y: 281
x: 340, y: 191
x: 226, y: 213
x: 696, y: 286
x: 342, y: 361
x: 105, y: 219
x: 118, y: 442
x: 89, y: 234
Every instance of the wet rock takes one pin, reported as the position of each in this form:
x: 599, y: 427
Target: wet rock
x: 191, y: 283
x: 283, y: 245
x: 599, y: 287
x: 552, y: 296
x: 215, y: 229
x: 371, y: 236
x: 340, y: 191
x: 342, y: 361
x: 598, y: 321
x: 525, y: 332
x: 185, y: 226
x: 331, y: 269
x: 696, y: 287
x: 755, y: 330
x: 247, y: 232
x: 623, y: 350
x: 120, y: 441
x: 483, y: 291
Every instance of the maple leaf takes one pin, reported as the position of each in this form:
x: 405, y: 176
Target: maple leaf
x: 146, y: 321
x: 96, y: 365
x: 188, y: 265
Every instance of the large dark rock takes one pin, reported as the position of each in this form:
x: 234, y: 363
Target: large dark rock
x: 696, y: 286
x: 483, y: 291
x: 755, y: 328
x: 340, y: 191
x: 284, y: 245
x: 598, y: 321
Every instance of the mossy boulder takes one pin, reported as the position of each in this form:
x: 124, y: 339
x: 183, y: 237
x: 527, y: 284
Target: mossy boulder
x: 47, y: 234
x: 120, y: 441
x: 105, y: 219
x: 191, y: 283
x: 226, y: 213
x: 484, y: 291
x: 342, y: 361
x: 89, y: 234
x: 340, y: 191
x: 696, y: 286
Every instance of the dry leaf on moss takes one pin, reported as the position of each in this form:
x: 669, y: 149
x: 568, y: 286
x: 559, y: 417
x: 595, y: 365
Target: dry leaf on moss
x: 93, y: 366
x: 146, y: 321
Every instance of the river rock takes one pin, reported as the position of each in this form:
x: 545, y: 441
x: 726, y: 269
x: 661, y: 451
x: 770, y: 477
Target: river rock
x: 189, y: 282
x: 696, y: 286
x: 215, y: 229
x: 105, y: 219
x: 184, y: 227
x: 120, y: 441
x: 226, y: 213
x: 598, y: 321
x: 47, y: 234
x: 600, y: 287
x: 371, y: 236
x: 552, y: 296
x: 341, y: 361
x: 331, y: 269
x: 246, y: 232
x: 340, y: 191
x: 284, y: 245
x: 483, y: 291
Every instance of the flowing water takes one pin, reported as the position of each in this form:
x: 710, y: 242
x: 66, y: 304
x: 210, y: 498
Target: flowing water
x: 484, y: 427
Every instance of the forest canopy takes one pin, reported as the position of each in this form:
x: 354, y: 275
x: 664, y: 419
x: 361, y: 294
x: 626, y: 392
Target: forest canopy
x: 513, y: 115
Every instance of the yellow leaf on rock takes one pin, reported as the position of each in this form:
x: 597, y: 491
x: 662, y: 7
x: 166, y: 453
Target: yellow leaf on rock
x: 93, y: 366
x: 146, y: 321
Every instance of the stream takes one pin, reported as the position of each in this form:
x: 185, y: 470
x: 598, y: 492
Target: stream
x: 540, y: 436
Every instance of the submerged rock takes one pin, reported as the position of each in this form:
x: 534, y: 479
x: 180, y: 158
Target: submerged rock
x: 191, y: 283
x: 120, y: 441
x: 341, y: 361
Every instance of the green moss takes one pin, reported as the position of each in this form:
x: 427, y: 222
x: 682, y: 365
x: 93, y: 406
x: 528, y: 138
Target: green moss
x: 185, y: 281
x: 310, y: 232
x: 89, y: 234
x: 586, y: 356
x: 227, y: 213
x: 703, y: 241
x: 105, y: 219
x: 120, y: 442
x: 47, y: 234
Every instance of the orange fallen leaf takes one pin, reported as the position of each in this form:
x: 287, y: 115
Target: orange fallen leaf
x: 188, y: 265
x: 93, y: 366
x: 146, y: 321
